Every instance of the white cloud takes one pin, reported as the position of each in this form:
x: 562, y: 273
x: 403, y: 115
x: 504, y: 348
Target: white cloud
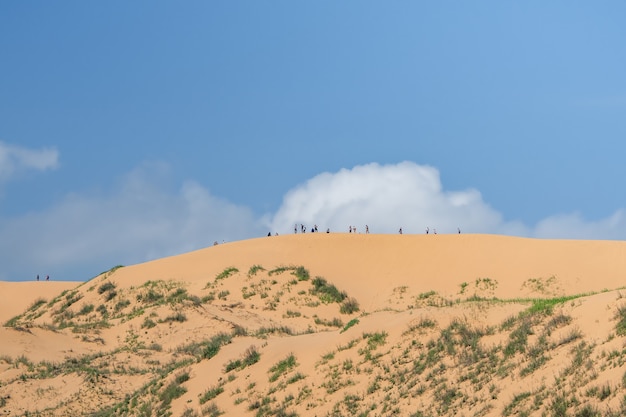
x: 15, y: 159
x: 411, y: 196
x: 137, y: 222
x: 574, y: 226
x: 386, y: 197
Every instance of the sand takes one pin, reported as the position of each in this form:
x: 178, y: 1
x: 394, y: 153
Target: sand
x: 15, y: 297
x: 443, y: 328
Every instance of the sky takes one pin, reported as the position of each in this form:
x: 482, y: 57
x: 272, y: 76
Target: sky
x: 131, y: 131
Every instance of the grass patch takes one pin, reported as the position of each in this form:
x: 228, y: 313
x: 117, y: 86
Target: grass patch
x: 207, y: 348
x: 122, y: 304
x: 518, y: 339
x: 274, y: 330
x: 226, y: 273
x: 174, y: 389
x: 212, y: 410
x: 107, y: 286
x: 327, y: 293
x: 151, y: 297
x: 280, y: 270
x: 87, y: 308
x: 375, y: 339
x: 177, y: 317
x: 620, y: 327
x: 351, y: 323
x: 37, y: 303
x: 178, y: 296
x: 250, y: 357
x: 282, y: 367
x: 301, y: 273
x: 12, y: 322
x: 210, y: 394
x: 254, y: 269
x: 335, y: 322
x: 148, y: 323
x: 349, y: 306
x: 111, y: 271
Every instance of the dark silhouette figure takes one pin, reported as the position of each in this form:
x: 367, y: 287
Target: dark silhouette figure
x: 37, y: 277
x: 367, y: 229
x: 47, y: 277
x: 400, y: 230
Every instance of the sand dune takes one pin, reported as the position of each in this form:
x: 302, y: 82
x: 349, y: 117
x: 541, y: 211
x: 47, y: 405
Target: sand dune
x: 15, y: 297
x: 328, y: 324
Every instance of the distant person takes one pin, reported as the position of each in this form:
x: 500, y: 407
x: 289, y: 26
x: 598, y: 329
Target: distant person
x: 315, y: 228
x: 295, y: 228
x: 47, y: 277
x: 349, y: 229
x: 400, y: 231
x: 427, y: 230
x: 269, y: 233
x: 367, y: 229
x: 37, y: 277
x: 459, y: 230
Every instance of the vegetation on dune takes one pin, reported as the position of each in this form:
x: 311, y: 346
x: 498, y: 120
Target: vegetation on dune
x: 326, y: 292
x: 211, y: 393
x: 226, y: 273
x: 300, y: 272
x: 620, y: 328
x: 282, y: 367
x: 254, y: 269
x: 109, y: 272
x: 441, y: 367
x: 250, y: 357
x: 351, y: 323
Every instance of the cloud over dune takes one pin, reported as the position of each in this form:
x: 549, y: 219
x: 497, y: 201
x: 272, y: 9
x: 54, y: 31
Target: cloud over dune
x: 140, y: 220
x: 15, y: 159
x: 574, y: 226
x: 143, y: 218
x: 386, y: 197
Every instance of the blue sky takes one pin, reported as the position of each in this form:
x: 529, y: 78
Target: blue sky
x: 136, y: 130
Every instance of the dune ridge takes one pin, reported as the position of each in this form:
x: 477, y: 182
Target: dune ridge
x: 328, y: 324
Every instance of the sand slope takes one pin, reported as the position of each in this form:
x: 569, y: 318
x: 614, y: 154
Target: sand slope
x: 445, y: 325
x: 15, y: 297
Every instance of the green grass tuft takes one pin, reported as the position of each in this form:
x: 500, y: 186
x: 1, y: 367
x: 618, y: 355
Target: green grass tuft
x: 282, y: 367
